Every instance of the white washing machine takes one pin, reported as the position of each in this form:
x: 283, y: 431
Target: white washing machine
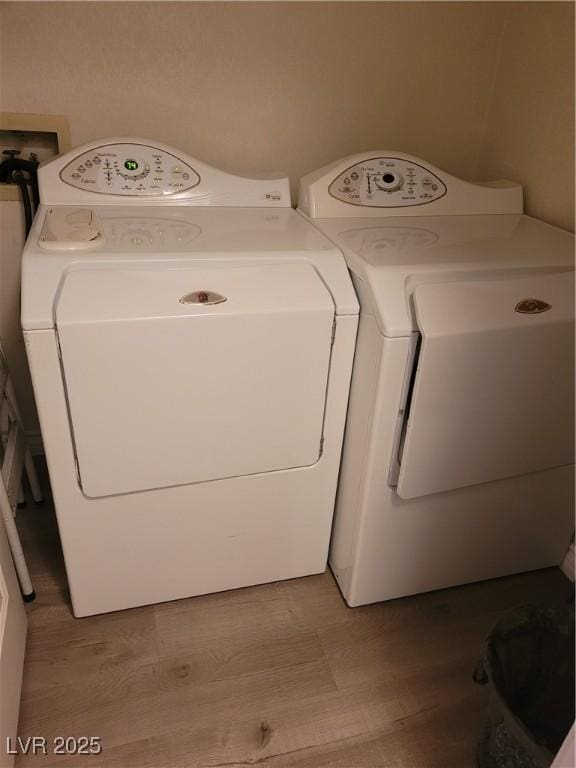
x: 190, y: 339
x: 459, y: 447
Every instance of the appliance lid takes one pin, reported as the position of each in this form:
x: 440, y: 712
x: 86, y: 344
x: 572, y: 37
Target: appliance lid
x: 165, y: 235
x: 389, y: 257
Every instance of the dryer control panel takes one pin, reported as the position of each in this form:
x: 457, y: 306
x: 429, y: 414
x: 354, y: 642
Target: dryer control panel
x: 386, y: 182
x: 129, y: 169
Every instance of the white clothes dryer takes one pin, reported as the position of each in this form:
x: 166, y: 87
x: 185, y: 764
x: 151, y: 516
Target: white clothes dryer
x: 459, y: 446
x: 190, y: 339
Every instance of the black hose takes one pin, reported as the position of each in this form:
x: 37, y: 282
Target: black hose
x: 18, y: 178
x: 35, y: 190
x: 24, y: 173
x: 16, y: 164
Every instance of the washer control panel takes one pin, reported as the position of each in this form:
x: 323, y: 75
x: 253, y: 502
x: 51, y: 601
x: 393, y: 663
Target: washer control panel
x: 134, y: 170
x: 387, y: 182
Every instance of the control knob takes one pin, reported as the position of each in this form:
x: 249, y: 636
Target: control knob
x: 389, y: 181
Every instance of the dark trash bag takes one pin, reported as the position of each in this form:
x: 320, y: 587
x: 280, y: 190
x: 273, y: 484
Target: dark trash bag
x: 529, y: 666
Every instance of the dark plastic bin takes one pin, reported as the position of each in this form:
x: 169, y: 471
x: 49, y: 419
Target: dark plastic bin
x: 529, y: 667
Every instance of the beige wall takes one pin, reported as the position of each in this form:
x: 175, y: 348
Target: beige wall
x: 530, y: 127
x: 252, y: 87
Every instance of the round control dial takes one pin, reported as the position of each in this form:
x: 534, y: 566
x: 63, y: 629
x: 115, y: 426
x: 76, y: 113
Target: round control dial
x: 389, y: 181
x: 132, y: 168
